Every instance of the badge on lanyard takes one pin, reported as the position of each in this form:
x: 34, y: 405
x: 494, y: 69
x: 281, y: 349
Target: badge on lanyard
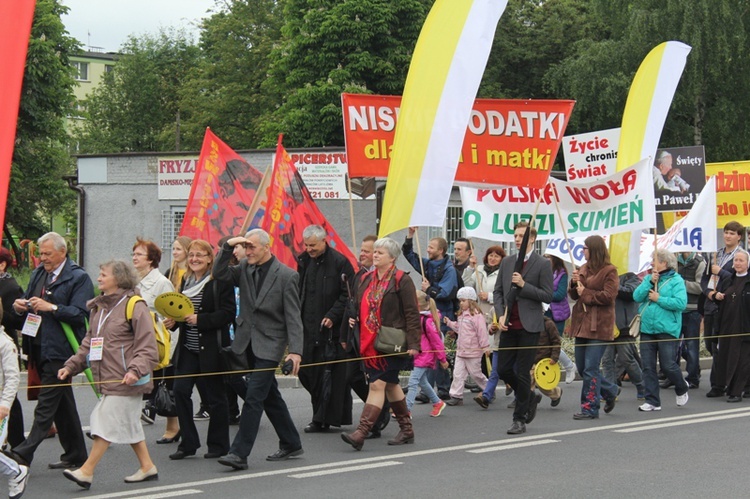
x: 31, y: 325
x: 96, y: 348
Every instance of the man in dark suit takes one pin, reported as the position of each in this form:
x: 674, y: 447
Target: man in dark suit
x: 323, y: 297
x: 269, y: 320
x: 534, y: 287
x: 57, y: 293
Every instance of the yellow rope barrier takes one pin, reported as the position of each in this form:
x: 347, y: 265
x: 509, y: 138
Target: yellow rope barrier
x: 357, y: 359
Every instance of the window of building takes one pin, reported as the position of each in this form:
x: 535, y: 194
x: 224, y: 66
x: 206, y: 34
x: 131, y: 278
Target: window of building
x: 452, y: 228
x: 171, y: 221
x: 82, y: 70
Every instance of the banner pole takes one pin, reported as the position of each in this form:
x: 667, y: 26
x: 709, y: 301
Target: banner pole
x: 351, y: 212
x: 256, y: 201
x: 419, y: 252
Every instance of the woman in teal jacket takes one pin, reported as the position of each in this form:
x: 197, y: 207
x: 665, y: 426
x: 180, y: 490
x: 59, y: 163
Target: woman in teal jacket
x: 663, y: 297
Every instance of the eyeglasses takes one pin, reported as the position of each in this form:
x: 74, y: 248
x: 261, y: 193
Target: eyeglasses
x: 197, y: 255
x: 135, y: 253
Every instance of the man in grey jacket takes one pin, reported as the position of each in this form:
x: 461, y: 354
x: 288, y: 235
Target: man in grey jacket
x: 269, y: 320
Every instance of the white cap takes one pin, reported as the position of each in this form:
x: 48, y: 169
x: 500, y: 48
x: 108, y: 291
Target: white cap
x: 466, y: 293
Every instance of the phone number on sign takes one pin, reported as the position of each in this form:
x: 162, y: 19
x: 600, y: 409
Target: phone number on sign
x: 324, y: 195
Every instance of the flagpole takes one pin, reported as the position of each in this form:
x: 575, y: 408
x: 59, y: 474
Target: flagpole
x: 256, y: 200
x: 351, y: 211
x: 419, y: 252
x: 565, y: 235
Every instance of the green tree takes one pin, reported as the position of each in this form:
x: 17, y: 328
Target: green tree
x: 135, y: 107
x: 224, y: 90
x: 707, y: 108
x: 335, y: 46
x: 40, y: 159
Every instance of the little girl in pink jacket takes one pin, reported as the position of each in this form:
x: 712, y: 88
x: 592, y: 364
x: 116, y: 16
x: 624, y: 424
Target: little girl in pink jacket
x: 473, y: 342
x: 432, y: 349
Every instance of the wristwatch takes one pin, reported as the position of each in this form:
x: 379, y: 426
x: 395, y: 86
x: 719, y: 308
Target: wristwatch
x: 54, y: 308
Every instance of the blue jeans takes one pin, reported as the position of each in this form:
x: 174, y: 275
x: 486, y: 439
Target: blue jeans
x: 691, y: 332
x: 666, y: 346
x: 588, y: 355
x: 493, y: 379
x: 419, y: 377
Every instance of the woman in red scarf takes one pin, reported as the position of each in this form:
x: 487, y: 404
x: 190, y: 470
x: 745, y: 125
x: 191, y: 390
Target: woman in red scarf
x: 386, y: 297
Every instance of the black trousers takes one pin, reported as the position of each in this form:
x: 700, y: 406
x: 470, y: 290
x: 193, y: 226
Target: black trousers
x: 514, y: 366
x: 58, y: 405
x: 211, y: 389
x: 15, y: 424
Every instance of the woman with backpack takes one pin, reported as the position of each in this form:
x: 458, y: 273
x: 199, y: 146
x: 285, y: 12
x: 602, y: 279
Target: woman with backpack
x: 122, y: 354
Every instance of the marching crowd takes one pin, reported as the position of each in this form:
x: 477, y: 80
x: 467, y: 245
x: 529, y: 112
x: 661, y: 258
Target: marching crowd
x: 465, y: 325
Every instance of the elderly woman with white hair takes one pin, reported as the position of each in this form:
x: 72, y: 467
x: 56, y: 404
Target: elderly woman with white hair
x: 663, y: 297
x: 122, y: 354
x: 385, y: 296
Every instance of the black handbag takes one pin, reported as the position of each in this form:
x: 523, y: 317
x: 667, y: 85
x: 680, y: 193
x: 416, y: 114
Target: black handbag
x: 231, y: 361
x: 391, y: 340
x: 164, y: 401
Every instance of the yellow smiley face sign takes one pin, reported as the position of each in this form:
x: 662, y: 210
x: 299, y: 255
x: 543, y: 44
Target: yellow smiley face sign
x: 547, y: 375
x: 174, y: 306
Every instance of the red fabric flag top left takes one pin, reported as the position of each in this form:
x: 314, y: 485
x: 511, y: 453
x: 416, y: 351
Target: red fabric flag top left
x: 223, y: 190
x: 15, y: 28
x: 289, y: 209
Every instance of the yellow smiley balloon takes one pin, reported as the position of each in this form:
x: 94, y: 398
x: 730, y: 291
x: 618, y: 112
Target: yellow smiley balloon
x: 174, y: 306
x: 547, y: 375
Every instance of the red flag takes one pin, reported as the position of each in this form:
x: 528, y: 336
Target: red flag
x: 290, y: 209
x: 15, y: 28
x: 222, y: 192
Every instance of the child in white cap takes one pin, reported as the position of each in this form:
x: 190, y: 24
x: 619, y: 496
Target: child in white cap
x: 473, y: 342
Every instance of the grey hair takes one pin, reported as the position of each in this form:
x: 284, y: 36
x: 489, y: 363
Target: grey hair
x: 315, y: 231
x: 56, y: 239
x: 743, y: 252
x: 263, y: 237
x: 391, y: 246
x: 663, y: 155
x: 123, y: 272
x: 667, y: 257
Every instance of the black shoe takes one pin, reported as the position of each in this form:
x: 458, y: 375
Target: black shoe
x: 517, y: 428
x: 181, y: 454
x: 715, y: 392
x: 233, y: 461
x: 234, y: 421
x: 421, y: 398
x: 583, y: 415
x: 148, y: 414
x: 212, y: 455
x: 167, y: 440
x: 609, y: 405
x: 201, y: 415
x: 443, y: 396
x: 63, y: 465
x: 734, y: 399
x: 315, y: 427
x: 284, y: 454
x: 374, y: 433
x: 535, y: 399
x: 666, y: 384
x: 483, y: 402
x: 15, y: 457
x: 475, y: 389
x: 555, y: 403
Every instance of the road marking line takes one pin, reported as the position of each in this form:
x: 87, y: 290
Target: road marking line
x: 346, y: 469
x: 682, y: 423
x: 513, y: 446
x: 322, y: 466
x: 139, y: 494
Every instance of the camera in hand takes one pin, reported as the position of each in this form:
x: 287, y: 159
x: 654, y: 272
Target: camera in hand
x: 288, y: 367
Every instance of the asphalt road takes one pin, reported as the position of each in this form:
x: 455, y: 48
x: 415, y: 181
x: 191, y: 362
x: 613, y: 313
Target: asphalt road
x: 694, y: 451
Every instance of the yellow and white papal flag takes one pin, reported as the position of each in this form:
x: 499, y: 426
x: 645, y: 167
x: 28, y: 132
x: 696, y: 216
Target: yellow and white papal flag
x: 646, y: 109
x: 444, y: 76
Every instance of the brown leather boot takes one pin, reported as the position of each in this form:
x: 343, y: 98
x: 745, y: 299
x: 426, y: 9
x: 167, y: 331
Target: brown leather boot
x: 406, y: 433
x: 369, y: 415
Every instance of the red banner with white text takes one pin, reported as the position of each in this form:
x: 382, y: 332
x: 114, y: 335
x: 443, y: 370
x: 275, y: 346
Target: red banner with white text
x: 507, y: 142
x: 290, y: 208
x: 16, y: 17
x: 222, y: 192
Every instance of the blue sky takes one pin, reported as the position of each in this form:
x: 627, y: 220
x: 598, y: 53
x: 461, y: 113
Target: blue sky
x: 108, y: 23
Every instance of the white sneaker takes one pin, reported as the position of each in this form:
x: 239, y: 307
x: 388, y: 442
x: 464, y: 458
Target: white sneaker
x: 17, y: 485
x: 646, y: 407
x: 682, y: 399
x: 570, y: 374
